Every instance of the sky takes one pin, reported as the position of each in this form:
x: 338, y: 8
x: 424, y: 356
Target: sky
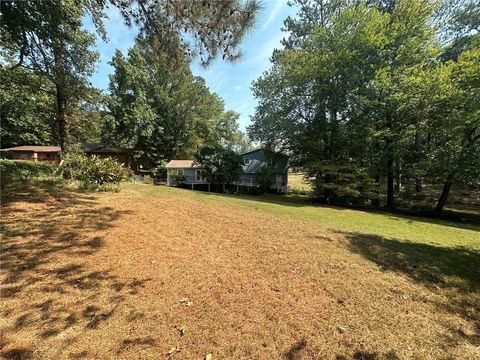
x: 231, y: 81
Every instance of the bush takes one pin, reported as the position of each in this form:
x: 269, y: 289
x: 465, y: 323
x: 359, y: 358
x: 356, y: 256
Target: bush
x: 93, y: 171
x: 10, y: 169
x: 159, y: 172
x: 178, y: 179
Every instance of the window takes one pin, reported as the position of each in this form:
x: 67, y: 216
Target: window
x: 24, y: 156
x: 200, y: 175
x: 180, y: 172
x: 246, y: 161
x: 272, y: 162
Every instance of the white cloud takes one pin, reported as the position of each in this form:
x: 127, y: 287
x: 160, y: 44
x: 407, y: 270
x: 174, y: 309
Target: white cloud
x: 279, y: 4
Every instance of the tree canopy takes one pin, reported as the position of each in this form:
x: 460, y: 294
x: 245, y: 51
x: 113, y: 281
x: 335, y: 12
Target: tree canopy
x: 162, y: 110
x: 221, y: 165
x: 366, y: 85
x: 47, y: 39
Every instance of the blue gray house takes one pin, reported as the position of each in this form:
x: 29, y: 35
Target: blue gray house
x: 252, y: 162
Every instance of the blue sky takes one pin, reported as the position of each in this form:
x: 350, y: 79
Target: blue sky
x: 231, y: 81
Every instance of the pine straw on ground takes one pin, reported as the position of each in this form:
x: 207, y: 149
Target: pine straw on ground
x: 136, y: 275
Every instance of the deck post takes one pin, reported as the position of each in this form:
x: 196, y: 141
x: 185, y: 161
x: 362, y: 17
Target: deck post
x: 192, y: 186
x: 208, y: 187
x: 237, y: 188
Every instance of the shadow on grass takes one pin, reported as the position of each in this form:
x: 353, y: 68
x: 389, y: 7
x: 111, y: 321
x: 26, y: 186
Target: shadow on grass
x: 366, y: 355
x: 453, y: 272
x: 295, y: 351
x: 468, y: 221
x: 47, y: 285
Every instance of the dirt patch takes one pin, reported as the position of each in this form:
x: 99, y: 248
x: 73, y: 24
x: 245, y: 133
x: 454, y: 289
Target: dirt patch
x: 107, y: 277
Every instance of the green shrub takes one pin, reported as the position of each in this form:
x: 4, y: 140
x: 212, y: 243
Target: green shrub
x: 10, y: 169
x: 178, y: 179
x: 92, y: 171
x: 159, y: 172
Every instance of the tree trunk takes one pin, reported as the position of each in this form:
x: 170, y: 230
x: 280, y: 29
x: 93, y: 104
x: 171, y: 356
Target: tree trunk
x: 418, y: 147
x: 398, y: 176
x: 443, y: 198
x: 390, y: 157
x: 418, y: 184
x: 61, y: 118
x: 390, y: 187
x: 61, y: 94
x: 376, y: 201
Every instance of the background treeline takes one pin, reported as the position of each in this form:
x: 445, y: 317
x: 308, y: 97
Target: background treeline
x: 369, y: 96
x: 154, y: 103
x: 159, y: 108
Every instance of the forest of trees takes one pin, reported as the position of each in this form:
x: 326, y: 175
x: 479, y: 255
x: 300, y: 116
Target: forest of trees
x: 159, y: 108
x: 368, y: 95
x: 365, y: 95
x: 154, y: 103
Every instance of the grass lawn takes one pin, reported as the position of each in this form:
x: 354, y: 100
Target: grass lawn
x: 154, y: 272
x: 295, y: 181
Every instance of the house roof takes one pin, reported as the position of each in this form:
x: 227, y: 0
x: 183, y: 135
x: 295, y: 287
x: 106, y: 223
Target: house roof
x: 252, y: 150
x: 263, y: 149
x: 108, y: 150
x: 34, y: 148
x: 90, y: 146
x: 97, y: 148
x: 181, y: 164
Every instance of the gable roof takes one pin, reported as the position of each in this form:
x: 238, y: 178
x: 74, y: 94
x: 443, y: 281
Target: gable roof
x: 252, y: 150
x: 34, y: 148
x: 265, y: 150
x: 181, y: 164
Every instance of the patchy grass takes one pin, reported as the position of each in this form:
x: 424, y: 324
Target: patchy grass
x: 152, y: 270
x: 405, y: 228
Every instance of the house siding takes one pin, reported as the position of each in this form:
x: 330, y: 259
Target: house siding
x: 190, y: 174
x: 257, y: 159
x: 50, y: 157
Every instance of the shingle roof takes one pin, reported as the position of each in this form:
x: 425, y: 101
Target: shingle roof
x: 109, y: 150
x: 97, y: 148
x: 181, y: 164
x: 34, y: 148
x: 90, y: 146
x: 252, y: 150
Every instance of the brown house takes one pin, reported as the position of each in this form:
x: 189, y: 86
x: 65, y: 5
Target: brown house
x: 122, y: 155
x: 50, y: 154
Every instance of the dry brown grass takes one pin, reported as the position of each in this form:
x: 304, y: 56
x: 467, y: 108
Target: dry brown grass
x: 104, y: 276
